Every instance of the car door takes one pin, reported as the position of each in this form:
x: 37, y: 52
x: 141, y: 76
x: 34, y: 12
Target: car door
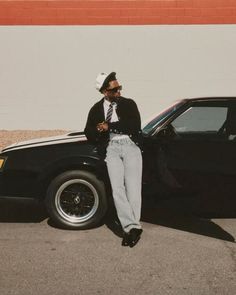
x: 197, y: 150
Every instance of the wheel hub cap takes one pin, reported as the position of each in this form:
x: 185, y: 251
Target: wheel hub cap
x: 77, y: 200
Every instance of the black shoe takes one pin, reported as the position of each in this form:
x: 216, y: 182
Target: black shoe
x: 134, y: 236
x: 126, y: 240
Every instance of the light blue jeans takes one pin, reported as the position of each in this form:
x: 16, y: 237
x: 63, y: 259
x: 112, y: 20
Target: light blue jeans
x: 124, y: 164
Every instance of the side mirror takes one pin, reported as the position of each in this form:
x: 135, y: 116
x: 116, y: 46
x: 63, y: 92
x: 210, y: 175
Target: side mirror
x: 167, y: 132
x: 163, y: 132
x: 160, y: 137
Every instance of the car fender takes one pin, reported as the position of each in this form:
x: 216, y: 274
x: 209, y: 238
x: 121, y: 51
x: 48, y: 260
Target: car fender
x: 53, y: 169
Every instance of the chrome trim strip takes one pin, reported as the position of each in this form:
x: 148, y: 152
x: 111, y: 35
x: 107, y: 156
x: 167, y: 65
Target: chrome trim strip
x: 44, y: 143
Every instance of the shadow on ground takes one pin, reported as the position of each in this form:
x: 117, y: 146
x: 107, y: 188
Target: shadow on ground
x: 22, y: 211
x: 189, y: 215
x: 181, y: 214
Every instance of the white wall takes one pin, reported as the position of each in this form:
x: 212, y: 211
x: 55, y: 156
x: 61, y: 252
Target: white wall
x: 47, y: 73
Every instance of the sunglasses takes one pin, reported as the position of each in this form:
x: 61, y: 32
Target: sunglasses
x: 116, y: 89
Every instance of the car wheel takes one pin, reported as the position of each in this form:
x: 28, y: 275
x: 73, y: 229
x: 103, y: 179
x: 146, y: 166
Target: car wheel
x: 76, y: 200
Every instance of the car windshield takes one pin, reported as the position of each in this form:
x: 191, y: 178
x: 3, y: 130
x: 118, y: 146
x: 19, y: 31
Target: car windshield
x: 147, y: 129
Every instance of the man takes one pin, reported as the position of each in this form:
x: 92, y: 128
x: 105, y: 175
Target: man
x: 114, y: 126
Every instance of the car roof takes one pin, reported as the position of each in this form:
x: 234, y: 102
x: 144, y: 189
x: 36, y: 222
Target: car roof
x: 211, y: 98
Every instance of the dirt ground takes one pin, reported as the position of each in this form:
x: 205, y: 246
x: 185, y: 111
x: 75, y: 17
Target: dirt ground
x: 8, y: 137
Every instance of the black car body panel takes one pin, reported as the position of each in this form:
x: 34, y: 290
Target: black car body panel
x: 202, y: 159
x: 30, y: 166
x: 180, y: 150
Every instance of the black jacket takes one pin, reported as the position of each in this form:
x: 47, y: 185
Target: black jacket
x: 129, y: 123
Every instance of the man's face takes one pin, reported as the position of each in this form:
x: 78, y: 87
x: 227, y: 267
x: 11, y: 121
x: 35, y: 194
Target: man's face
x: 113, y: 90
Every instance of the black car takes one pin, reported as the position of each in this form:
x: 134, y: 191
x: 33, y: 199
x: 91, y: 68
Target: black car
x: 189, y: 147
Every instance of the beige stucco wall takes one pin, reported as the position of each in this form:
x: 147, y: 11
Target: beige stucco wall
x: 47, y: 73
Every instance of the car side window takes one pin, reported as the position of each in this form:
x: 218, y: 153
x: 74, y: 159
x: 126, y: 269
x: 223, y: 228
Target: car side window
x: 200, y: 122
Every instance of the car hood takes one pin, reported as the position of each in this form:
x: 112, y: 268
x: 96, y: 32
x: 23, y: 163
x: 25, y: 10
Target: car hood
x: 60, y: 139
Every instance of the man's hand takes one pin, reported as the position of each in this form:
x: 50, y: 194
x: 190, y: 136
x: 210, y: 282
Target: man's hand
x: 101, y: 127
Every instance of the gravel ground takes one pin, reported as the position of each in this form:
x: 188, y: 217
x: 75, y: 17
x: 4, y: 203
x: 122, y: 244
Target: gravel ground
x: 8, y: 137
